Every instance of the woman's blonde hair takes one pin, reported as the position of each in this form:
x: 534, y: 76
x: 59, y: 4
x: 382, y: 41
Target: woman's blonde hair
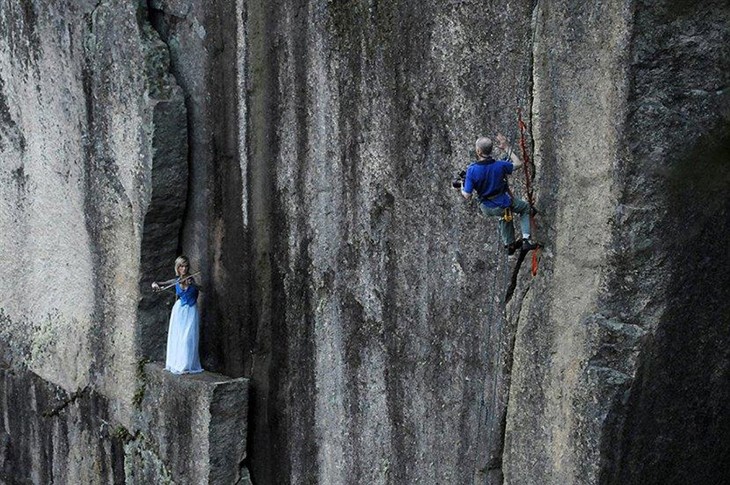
x: 179, y: 262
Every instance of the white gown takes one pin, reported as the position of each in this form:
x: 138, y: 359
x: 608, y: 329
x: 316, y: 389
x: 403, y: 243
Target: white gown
x: 183, y: 333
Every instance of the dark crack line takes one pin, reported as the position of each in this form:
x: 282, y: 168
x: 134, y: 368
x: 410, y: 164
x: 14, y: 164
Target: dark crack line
x: 71, y: 399
x: 497, y: 465
x: 515, y: 273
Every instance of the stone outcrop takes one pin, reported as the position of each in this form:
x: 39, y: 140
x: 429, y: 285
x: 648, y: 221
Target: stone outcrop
x: 197, y: 424
x: 301, y: 153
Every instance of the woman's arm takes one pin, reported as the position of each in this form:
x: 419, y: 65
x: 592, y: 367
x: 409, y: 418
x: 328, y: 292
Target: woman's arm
x: 156, y: 285
x: 194, y: 283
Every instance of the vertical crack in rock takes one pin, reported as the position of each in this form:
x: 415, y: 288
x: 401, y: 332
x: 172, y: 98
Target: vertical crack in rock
x: 492, y: 473
x: 266, y: 424
x: 529, y: 139
x: 158, y: 14
x: 167, y: 136
x: 514, y: 277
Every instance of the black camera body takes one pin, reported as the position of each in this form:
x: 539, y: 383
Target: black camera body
x: 458, y: 181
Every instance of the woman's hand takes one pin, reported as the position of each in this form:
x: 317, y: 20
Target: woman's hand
x: 155, y: 287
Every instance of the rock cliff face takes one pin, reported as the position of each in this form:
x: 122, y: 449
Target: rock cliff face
x: 301, y: 154
x: 94, y: 189
x: 631, y: 141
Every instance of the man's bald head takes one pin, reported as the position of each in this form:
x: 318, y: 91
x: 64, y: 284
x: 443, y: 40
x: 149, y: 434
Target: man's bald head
x: 483, y: 147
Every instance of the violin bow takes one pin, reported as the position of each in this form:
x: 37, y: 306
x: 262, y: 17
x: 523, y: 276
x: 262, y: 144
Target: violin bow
x: 162, y: 288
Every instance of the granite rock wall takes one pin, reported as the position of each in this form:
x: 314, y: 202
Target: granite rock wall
x: 618, y: 360
x: 301, y: 154
x: 94, y: 169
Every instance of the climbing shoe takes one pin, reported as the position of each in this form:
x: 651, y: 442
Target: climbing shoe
x: 528, y: 245
x: 512, y: 247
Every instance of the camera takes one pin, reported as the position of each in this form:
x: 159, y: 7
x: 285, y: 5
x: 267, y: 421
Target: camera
x: 458, y: 181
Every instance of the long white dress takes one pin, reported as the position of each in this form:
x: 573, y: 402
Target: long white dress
x: 183, y: 333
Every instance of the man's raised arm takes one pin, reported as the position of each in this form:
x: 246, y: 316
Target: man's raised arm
x: 503, y: 145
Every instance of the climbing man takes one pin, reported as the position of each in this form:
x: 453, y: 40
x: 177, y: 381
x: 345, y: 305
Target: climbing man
x: 488, y: 178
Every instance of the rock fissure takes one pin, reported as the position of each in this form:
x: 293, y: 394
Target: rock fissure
x: 515, y: 275
x: 56, y: 410
x: 168, y: 192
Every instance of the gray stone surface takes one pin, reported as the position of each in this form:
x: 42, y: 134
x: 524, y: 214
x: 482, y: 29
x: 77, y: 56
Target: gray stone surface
x: 342, y: 275
x: 50, y: 436
x: 323, y: 109
x: 93, y: 191
x: 189, y: 430
x: 94, y: 186
x: 196, y: 424
x: 675, y: 423
x: 618, y: 356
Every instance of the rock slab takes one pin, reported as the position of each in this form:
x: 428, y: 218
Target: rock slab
x: 197, y: 425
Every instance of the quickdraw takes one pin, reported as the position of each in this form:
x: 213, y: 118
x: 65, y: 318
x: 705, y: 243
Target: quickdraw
x: 528, y: 187
x: 507, y: 215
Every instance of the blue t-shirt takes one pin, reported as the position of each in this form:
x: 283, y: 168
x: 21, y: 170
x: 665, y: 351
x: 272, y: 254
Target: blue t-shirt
x: 188, y: 296
x: 489, y: 178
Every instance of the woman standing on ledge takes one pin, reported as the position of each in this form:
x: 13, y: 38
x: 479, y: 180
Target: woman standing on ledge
x: 183, y: 334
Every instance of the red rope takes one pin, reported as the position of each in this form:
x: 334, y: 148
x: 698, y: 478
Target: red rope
x: 528, y: 185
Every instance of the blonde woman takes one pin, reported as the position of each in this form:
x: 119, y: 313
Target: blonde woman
x: 183, y: 334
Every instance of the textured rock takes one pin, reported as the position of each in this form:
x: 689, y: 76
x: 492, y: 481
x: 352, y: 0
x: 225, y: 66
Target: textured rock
x: 369, y: 276
x: 190, y: 429
x: 358, y: 292
x: 93, y: 156
x: 675, y: 423
x: 51, y: 436
x: 103, y: 126
x: 579, y: 107
x: 197, y: 425
x: 604, y: 389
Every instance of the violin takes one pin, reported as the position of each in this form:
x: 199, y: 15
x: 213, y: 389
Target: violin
x: 156, y: 287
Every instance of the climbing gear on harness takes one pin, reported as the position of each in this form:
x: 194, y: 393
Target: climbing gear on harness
x: 528, y: 190
x: 507, y: 215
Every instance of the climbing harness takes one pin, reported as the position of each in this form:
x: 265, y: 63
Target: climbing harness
x: 528, y: 187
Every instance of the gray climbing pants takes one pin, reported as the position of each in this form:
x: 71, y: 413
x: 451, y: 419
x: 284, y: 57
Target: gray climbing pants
x: 521, y: 211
